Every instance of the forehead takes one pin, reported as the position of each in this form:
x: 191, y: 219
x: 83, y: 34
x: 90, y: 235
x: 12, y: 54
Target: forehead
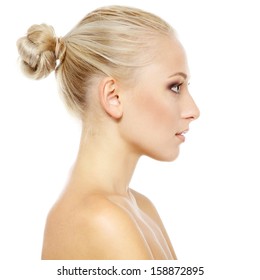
x: 169, y: 57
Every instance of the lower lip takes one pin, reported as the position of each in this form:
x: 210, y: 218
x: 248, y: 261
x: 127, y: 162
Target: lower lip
x: 181, y: 137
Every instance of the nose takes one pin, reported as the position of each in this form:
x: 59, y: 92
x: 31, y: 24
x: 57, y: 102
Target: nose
x: 190, y: 109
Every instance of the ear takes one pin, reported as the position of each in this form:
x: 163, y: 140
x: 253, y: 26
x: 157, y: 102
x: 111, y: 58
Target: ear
x: 110, y: 98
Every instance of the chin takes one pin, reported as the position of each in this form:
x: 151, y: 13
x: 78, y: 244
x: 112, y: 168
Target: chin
x: 166, y: 157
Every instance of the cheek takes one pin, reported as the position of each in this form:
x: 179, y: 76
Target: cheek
x: 151, y: 127
x: 157, y: 114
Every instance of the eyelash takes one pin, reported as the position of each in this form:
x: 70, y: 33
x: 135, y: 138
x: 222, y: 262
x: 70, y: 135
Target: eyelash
x: 176, y: 86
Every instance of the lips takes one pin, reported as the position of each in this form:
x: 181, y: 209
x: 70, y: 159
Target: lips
x: 181, y: 136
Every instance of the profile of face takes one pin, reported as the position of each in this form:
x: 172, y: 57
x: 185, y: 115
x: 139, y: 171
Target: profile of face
x: 158, y: 107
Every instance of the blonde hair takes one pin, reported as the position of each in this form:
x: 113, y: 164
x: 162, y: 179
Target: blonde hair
x: 112, y: 41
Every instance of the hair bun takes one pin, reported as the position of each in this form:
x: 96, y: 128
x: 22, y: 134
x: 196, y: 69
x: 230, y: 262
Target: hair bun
x: 37, y: 51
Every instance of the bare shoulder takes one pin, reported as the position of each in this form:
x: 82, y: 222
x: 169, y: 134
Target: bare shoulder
x: 96, y: 229
x: 149, y: 209
x: 145, y: 204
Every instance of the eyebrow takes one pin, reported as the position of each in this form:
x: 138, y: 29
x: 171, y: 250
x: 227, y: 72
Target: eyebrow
x: 184, y: 75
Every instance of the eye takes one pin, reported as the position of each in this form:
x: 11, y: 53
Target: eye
x: 176, y: 88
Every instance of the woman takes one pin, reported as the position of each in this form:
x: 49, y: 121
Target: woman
x: 125, y: 74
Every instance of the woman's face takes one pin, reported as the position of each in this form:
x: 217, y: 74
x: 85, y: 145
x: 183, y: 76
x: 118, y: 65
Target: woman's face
x: 159, y: 108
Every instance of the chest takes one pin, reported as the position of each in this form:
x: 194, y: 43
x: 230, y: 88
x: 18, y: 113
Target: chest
x: 153, y: 235
x: 150, y: 231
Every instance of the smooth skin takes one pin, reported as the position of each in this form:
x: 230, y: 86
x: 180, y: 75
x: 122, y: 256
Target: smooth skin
x: 98, y: 216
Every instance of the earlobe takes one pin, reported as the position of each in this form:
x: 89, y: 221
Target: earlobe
x: 109, y: 98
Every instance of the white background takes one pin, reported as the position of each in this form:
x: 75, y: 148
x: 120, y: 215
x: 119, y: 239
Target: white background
x: 208, y: 198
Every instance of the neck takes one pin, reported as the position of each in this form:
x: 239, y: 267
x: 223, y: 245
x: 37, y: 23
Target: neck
x: 104, y: 164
